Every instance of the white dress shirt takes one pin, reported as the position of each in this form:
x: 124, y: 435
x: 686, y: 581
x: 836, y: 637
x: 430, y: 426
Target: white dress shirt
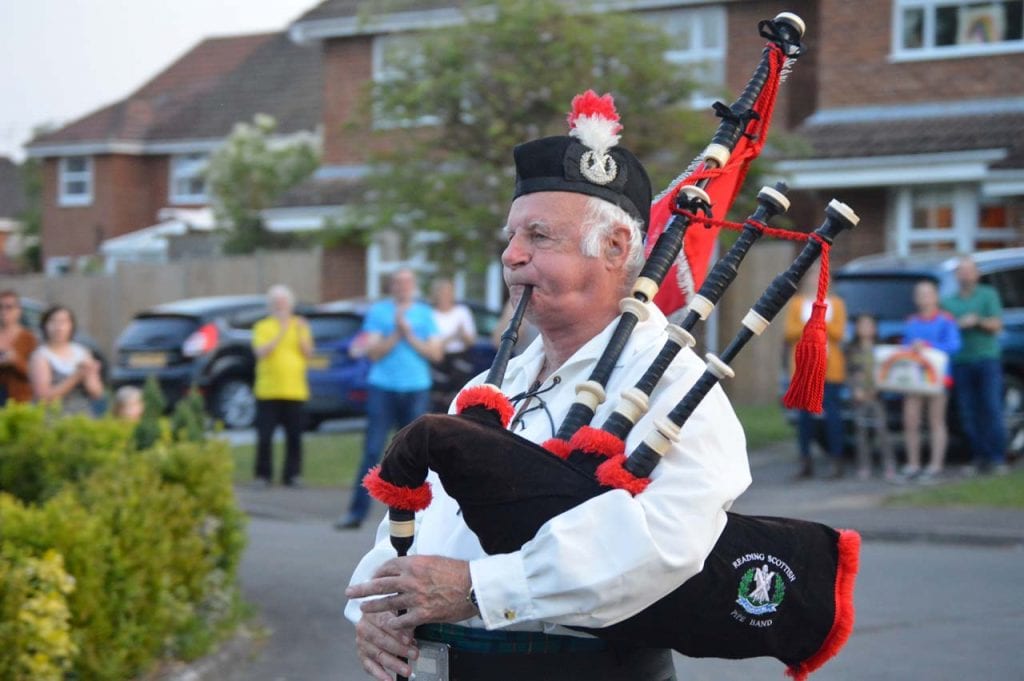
x: 615, y: 554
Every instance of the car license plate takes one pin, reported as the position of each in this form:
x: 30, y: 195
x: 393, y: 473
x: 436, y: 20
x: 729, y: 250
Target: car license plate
x: 147, y: 360
x: 318, y: 362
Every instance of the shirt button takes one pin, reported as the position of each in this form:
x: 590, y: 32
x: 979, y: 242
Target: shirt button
x: 510, y: 615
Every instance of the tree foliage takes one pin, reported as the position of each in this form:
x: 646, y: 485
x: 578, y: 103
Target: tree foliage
x: 458, y: 99
x: 248, y: 172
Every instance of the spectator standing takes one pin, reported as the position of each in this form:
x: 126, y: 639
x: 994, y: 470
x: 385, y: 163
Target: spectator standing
x: 63, y: 370
x: 868, y: 410
x: 977, y: 368
x: 797, y: 313
x: 16, y: 346
x: 457, y: 330
x: 282, y: 344
x: 401, y: 338
x: 930, y: 327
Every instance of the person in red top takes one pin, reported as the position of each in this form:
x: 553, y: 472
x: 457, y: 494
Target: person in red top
x: 16, y: 345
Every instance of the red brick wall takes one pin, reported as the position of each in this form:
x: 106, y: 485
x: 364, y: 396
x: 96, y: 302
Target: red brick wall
x: 808, y: 212
x: 855, y: 43
x: 348, y: 68
x: 343, y: 272
x: 128, y: 191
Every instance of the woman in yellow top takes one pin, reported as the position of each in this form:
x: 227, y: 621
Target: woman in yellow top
x: 797, y: 314
x: 282, y: 344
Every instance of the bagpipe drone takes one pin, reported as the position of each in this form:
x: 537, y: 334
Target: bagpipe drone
x: 774, y: 587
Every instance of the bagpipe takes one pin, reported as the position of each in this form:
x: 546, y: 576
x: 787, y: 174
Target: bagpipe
x: 771, y: 586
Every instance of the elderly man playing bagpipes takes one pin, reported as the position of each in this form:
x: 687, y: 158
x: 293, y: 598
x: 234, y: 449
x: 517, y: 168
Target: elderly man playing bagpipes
x: 516, y: 572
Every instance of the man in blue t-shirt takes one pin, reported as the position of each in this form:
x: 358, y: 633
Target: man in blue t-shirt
x: 401, y: 338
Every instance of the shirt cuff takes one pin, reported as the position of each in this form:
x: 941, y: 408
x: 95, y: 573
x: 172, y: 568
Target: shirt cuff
x: 502, y: 595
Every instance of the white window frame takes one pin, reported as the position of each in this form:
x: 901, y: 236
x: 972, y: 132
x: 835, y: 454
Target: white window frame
x: 931, y: 51
x: 703, y: 48
x: 381, y: 74
x: 965, y: 234
x: 186, y: 167
x: 66, y: 176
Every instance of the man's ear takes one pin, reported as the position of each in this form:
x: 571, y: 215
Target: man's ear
x: 617, y: 246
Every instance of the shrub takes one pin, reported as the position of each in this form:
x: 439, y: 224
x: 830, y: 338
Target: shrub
x: 151, y: 539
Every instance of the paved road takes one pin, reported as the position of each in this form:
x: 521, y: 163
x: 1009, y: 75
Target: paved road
x: 943, y: 602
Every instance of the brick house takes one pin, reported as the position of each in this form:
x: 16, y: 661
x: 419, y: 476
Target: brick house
x: 113, y: 170
x: 918, y: 124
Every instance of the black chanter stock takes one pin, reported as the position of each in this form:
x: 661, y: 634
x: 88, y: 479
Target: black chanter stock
x: 784, y: 33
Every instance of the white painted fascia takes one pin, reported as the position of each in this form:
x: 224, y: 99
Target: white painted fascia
x: 1004, y: 183
x: 153, y: 147
x: 881, y: 171
x: 301, y: 218
x: 308, y: 32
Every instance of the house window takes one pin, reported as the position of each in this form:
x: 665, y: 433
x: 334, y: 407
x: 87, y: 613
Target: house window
x: 187, y: 181
x: 75, y: 182
x: 698, y: 44
x: 933, y: 28
x: 393, y: 56
x: 954, y: 217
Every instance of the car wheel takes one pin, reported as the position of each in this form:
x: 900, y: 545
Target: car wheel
x: 1013, y: 410
x: 234, y: 403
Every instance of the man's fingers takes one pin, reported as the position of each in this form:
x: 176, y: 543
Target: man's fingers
x: 378, y: 586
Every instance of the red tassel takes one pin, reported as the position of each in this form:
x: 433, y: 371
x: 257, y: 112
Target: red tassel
x: 807, y: 389
x: 842, y: 625
x: 396, y: 496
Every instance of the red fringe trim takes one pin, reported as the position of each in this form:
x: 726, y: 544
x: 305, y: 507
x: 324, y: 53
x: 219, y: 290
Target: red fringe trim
x: 612, y: 474
x: 396, y: 496
x: 486, y: 396
x: 560, y: 448
x: 590, y: 440
x: 842, y: 626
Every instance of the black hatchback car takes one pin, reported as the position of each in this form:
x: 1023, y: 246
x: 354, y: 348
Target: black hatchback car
x: 882, y: 286
x: 201, y: 342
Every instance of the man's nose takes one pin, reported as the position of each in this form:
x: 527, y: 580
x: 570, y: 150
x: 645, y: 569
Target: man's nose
x: 515, y: 254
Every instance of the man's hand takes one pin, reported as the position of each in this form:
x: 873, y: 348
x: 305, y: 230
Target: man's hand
x: 969, y: 320
x: 381, y: 649
x: 428, y: 588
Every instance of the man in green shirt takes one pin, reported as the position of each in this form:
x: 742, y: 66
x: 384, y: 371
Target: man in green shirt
x: 977, y: 370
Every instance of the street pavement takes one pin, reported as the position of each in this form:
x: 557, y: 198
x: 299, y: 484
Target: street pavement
x: 296, y: 566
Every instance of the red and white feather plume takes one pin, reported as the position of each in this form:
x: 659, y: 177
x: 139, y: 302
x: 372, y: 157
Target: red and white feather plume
x: 594, y: 121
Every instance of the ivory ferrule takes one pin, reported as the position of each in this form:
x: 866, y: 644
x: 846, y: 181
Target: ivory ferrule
x: 845, y: 211
x: 775, y: 196
x: 755, y: 322
x: 680, y: 336
x: 717, y: 154
x: 662, y: 436
x: 718, y: 367
x: 403, y: 528
x: 590, y: 393
x: 793, y: 20
x: 702, y: 306
x: 633, y: 404
x: 695, y: 192
x: 646, y: 287
x: 639, y: 309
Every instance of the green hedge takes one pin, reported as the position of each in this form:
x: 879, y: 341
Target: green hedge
x: 111, y: 557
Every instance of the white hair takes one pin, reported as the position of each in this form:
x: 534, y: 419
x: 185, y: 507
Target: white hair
x: 600, y: 218
x: 281, y: 291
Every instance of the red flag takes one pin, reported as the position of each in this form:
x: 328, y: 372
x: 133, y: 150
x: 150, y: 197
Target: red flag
x: 687, y: 274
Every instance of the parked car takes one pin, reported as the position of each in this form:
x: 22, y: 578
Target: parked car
x: 882, y: 286
x: 201, y: 342
x: 338, y: 383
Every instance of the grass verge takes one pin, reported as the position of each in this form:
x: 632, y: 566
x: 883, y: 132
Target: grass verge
x: 328, y: 459
x: 995, y: 491
x: 764, y: 424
